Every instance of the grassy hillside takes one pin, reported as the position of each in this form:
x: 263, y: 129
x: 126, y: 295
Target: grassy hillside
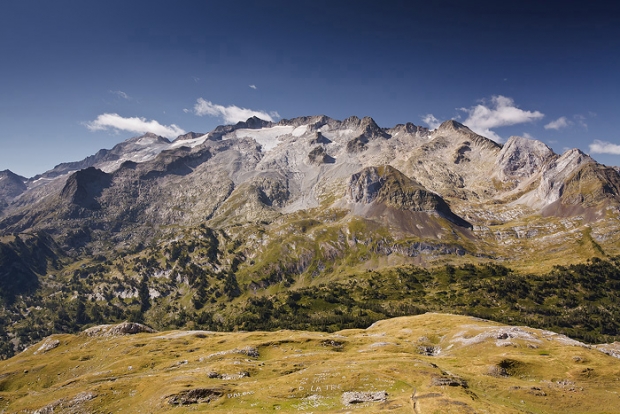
x: 432, y: 363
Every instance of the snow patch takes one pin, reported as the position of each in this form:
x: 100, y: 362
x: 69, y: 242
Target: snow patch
x: 146, y: 149
x: 38, y: 180
x: 300, y: 130
x: 193, y: 142
x: 337, y: 134
x: 268, y: 138
x: 145, y: 141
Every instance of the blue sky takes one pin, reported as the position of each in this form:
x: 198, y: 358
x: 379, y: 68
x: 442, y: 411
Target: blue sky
x: 78, y: 76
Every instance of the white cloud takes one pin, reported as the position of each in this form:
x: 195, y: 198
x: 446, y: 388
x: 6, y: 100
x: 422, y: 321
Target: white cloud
x: 528, y: 136
x: 137, y: 125
x: 253, y: 87
x: 431, y: 121
x: 121, y: 94
x: 581, y: 120
x: 500, y: 112
x: 604, y: 147
x: 559, y: 123
x: 231, y: 114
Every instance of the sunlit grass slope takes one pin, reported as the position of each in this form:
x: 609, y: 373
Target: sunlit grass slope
x: 431, y: 363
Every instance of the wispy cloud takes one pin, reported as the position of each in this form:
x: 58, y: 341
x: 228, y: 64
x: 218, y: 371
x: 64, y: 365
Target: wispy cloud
x: 528, y: 135
x: 581, y: 120
x: 561, y: 122
x: 431, y: 121
x: 604, y: 147
x: 231, y: 114
x: 137, y: 125
x: 121, y: 94
x: 500, y: 111
x: 253, y: 87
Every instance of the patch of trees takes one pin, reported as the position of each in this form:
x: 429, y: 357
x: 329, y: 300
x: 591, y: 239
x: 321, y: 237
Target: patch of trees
x: 582, y: 301
x: 22, y: 260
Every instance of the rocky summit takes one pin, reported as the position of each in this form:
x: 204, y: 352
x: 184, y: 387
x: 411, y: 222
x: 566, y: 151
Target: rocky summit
x: 311, y: 224
x: 495, y: 201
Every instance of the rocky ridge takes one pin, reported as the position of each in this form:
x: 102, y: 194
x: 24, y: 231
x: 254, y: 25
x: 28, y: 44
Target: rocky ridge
x: 311, y: 223
x: 258, y: 170
x: 11, y: 186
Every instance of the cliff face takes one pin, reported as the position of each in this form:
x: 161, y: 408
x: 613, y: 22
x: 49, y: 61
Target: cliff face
x: 11, y: 184
x: 521, y: 158
x: 387, y: 186
x: 84, y: 187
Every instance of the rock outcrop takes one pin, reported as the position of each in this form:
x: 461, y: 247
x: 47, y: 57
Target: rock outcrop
x: 125, y: 328
x: 258, y: 171
x: 85, y: 186
x: 521, y: 158
x: 388, y: 186
x: 11, y: 186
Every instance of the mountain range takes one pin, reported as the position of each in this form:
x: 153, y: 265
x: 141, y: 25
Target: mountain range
x: 312, y: 224
x: 447, y: 186
x: 198, y: 229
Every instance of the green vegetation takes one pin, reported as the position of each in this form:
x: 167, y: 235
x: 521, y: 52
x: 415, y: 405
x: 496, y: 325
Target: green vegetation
x: 323, y: 272
x: 581, y: 301
x: 204, y: 280
x: 22, y: 257
x: 431, y: 363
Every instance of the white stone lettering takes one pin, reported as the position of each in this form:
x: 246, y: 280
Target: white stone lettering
x: 239, y: 394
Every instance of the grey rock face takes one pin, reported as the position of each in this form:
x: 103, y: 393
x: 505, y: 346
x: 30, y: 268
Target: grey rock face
x: 408, y: 128
x: 188, y: 136
x: 11, y: 186
x: 314, y: 122
x: 85, y: 186
x: 125, y: 328
x: 553, y: 178
x: 255, y: 171
x: 318, y: 138
x: 358, y: 397
x: 319, y: 156
x: 390, y: 187
x: 521, y: 158
x: 364, y: 186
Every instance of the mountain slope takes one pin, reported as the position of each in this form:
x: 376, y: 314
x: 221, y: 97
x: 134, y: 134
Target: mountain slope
x: 257, y: 172
x: 425, y: 363
x: 157, y: 230
x: 11, y: 185
x: 386, y: 192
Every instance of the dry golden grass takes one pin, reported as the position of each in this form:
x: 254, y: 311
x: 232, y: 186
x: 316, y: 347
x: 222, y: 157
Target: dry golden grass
x: 432, y: 363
